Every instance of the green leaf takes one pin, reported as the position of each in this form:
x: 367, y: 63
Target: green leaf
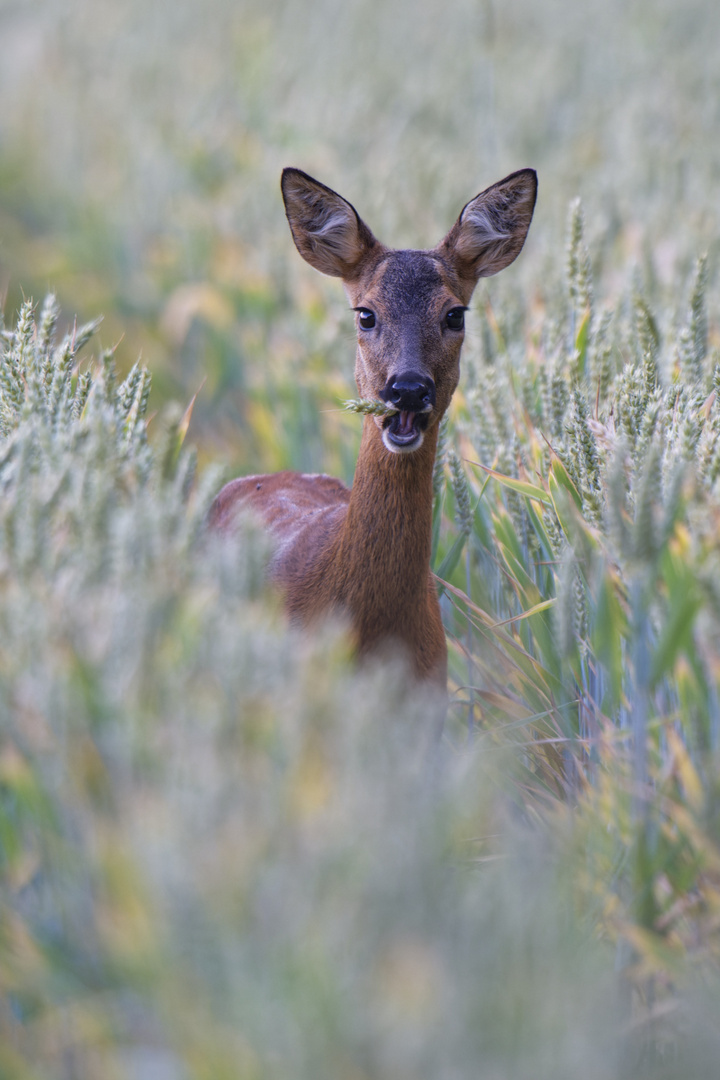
x: 523, y: 487
x: 676, y: 635
x: 561, y: 476
x: 581, y: 343
x: 452, y: 557
x: 534, y: 610
x: 609, y: 629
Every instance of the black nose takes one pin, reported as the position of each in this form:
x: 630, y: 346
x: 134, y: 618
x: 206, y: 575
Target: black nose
x: 410, y: 392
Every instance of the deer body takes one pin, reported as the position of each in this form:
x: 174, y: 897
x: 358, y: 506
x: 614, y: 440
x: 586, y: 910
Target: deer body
x: 365, y: 552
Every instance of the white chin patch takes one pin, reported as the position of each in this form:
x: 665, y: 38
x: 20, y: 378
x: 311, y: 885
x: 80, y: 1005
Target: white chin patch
x: 409, y: 448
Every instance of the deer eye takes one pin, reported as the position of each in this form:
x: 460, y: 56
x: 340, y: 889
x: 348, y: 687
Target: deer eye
x: 366, y: 319
x: 455, y: 318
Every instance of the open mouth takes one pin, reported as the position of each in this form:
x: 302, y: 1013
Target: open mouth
x: 404, y: 431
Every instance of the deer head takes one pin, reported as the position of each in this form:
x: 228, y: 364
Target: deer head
x: 409, y: 305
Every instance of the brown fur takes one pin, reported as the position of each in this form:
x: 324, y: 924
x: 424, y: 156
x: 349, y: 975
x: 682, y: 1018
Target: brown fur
x: 365, y: 552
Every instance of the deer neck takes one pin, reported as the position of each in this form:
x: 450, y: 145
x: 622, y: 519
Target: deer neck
x: 383, y: 556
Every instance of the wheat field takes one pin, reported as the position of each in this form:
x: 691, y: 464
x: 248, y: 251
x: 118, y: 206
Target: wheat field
x: 226, y: 852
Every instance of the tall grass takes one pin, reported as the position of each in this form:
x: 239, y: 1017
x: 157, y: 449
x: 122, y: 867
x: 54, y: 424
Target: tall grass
x: 582, y: 596
x: 224, y: 851
x: 141, y: 149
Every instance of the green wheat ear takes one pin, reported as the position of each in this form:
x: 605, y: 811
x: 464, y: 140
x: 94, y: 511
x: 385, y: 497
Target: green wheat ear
x: 577, y: 265
x: 371, y: 408
x: 698, y: 321
x: 461, y: 491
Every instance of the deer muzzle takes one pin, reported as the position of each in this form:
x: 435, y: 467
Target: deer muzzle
x: 410, y: 392
x: 413, y: 395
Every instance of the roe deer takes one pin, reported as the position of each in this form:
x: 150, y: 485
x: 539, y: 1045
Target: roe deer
x: 366, y: 551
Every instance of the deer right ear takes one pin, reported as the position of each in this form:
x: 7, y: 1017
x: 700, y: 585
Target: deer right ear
x: 327, y: 230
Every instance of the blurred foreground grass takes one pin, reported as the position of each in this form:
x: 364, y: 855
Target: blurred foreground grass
x: 223, y: 851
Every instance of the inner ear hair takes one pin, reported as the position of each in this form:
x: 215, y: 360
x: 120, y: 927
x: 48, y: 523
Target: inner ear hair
x: 491, y: 229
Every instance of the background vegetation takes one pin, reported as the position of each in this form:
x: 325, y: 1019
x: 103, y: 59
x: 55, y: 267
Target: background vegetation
x: 224, y: 852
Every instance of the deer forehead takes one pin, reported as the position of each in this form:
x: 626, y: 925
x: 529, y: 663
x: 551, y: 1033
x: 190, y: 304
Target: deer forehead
x: 407, y: 283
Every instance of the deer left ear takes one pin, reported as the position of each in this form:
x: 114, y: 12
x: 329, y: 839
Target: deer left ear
x: 491, y: 230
